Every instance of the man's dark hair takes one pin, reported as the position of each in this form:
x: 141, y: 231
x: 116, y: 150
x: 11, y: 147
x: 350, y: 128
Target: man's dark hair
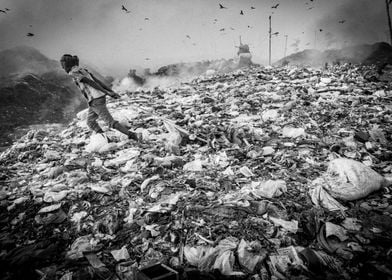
x: 71, y: 60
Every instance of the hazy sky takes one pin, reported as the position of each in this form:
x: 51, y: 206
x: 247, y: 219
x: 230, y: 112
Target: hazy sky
x: 104, y: 35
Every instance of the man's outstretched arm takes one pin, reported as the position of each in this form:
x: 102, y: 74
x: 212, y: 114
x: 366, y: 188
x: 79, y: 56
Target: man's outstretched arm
x: 102, y: 84
x: 99, y: 87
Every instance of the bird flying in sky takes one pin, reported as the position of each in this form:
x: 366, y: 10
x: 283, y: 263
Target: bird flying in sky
x: 188, y: 36
x: 2, y: 11
x: 242, y: 13
x: 252, y: 8
x: 222, y: 7
x: 30, y: 34
x: 275, y: 7
x: 342, y: 21
x: 124, y: 9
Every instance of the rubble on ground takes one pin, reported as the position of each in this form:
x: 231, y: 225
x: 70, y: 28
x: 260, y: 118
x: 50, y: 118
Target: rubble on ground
x: 225, y: 184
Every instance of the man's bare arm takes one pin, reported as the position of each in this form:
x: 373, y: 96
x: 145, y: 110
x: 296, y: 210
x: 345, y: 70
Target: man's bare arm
x: 98, y: 81
x: 93, y: 84
x: 99, y: 87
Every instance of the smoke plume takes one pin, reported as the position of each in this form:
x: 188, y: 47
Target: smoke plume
x: 354, y: 22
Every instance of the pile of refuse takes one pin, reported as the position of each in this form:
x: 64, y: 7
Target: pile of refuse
x: 261, y: 173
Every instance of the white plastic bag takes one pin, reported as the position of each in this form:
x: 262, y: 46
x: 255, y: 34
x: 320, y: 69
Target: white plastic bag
x: 269, y: 189
x: 248, y: 259
x: 97, y: 142
x: 321, y: 198
x: 345, y: 179
x: 292, y: 132
x: 122, y: 157
x: 194, y: 255
x: 270, y: 115
x: 351, y: 180
x: 125, y: 116
x: 225, y: 262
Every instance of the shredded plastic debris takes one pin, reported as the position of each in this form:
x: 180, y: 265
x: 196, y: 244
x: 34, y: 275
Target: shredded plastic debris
x: 274, y: 173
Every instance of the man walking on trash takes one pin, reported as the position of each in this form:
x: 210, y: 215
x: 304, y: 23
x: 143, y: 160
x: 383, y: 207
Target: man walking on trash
x: 95, y: 92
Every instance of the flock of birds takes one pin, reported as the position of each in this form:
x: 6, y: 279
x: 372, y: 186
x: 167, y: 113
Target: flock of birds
x: 6, y: 10
x: 221, y: 6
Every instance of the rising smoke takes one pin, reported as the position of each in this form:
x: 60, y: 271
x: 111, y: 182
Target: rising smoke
x: 354, y: 22
x: 175, y: 74
x: 295, y: 44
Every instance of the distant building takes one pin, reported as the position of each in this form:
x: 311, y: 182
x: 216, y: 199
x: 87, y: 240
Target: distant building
x: 244, y: 55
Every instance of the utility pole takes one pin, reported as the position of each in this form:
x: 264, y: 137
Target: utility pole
x: 389, y: 21
x: 270, y: 32
x: 285, y: 45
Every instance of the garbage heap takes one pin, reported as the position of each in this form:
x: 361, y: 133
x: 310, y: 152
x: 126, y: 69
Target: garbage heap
x: 262, y: 173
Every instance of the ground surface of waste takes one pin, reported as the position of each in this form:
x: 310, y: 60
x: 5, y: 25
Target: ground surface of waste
x: 222, y: 186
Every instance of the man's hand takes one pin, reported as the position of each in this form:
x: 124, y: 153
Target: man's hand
x: 113, y: 94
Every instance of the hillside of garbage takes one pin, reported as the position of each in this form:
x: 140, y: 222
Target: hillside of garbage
x: 259, y: 173
x: 367, y: 54
x: 33, y: 90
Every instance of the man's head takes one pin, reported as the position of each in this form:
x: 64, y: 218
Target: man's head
x: 68, y: 61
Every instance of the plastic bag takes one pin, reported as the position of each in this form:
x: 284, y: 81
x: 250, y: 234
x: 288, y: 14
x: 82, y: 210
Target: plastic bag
x: 269, y: 189
x: 270, y: 115
x: 98, y: 143
x: 193, y: 255
x: 351, y: 180
x: 207, y: 261
x: 125, y: 116
x: 321, y: 198
x: 292, y: 132
x: 217, y: 258
x: 225, y: 262
x: 291, y: 226
x: 248, y: 259
x: 80, y: 245
x: 121, y: 254
x: 195, y: 165
x: 122, y: 157
x: 175, y: 136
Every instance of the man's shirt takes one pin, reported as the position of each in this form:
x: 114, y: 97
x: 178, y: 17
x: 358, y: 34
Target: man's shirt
x: 77, y: 73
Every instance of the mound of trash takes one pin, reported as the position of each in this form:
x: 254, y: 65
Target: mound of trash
x: 367, y: 54
x: 260, y: 173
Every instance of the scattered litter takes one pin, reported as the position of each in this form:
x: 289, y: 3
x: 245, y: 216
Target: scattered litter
x: 121, y: 254
x: 292, y: 132
x: 234, y: 168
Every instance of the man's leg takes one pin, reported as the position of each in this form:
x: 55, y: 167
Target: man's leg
x: 105, y: 115
x: 92, y: 120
